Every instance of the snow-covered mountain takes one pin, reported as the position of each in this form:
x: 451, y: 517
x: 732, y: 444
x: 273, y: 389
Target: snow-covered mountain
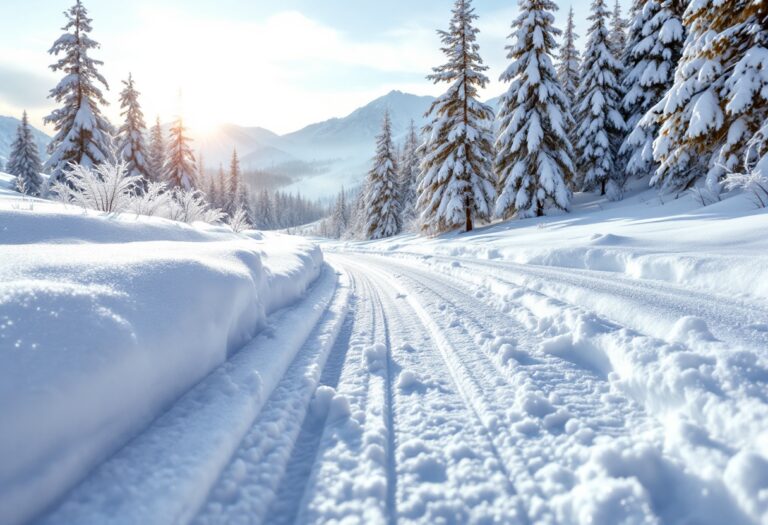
x: 8, y: 126
x: 322, y: 156
x: 318, y: 158
x: 359, y: 128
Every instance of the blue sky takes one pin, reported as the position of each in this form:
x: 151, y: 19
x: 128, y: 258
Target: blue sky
x: 280, y: 65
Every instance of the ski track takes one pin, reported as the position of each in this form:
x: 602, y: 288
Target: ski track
x: 431, y: 390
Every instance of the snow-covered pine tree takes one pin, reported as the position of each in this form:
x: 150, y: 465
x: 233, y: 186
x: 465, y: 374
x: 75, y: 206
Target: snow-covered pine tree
x: 209, y: 178
x: 600, y: 126
x: 654, y: 46
x: 618, y: 36
x: 180, y: 162
x: 533, y: 158
x: 130, y: 137
x: 340, y: 216
x: 569, y: 61
x: 157, y: 152
x: 457, y: 181
x: 382, y: 200
x: 24, y: 160
x: 234, y: 183
x: 408, y: 177
x: 719, y: 97
x: 82, y: 132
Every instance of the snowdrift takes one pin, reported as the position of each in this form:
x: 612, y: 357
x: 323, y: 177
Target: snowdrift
x: 106, y: 321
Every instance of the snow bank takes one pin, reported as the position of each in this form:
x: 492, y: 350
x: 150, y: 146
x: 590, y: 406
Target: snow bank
x: 721, y: 247
x: 105, y: 321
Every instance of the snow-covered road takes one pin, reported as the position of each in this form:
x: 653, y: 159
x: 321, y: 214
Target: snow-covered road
x: 434, y: 389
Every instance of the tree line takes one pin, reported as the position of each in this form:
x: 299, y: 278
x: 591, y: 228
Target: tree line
x: 154, y: 163
x: 678, y: 94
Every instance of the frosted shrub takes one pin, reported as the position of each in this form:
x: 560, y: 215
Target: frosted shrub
x: 109, y: 188
x: 754, y: 178
x: 105, y: 187
x: 155, y: 201
x: 239, y: 221
x: 189, y: 206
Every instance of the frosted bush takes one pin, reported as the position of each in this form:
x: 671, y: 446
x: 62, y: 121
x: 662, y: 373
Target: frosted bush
x: 105, y: 187
x: 155, y: 201
x: 754, y: 178
x: 109, y: 188
x: 189, y: 206
x: 239, y: 221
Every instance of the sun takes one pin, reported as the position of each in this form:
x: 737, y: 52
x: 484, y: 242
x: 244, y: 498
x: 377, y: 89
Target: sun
x: 201, y: 122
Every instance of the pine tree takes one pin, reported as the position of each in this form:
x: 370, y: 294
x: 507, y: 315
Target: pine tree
x: 264, y: 213
x: 618, y: 36
x: 600, y: 125
x: 234, y: 185
x: 340, y: 216
x: 157, y: 153
x: 82, y: 133
x: 24, y: 160
x: 457, y: 182
x: 180, y: 163
x: 130, y: 137
x: 719, y: 97
x: 382, y: 200
x: 569, y: 61
x: 533, y: 149
x: 408, y: 177
x: 654, y: 46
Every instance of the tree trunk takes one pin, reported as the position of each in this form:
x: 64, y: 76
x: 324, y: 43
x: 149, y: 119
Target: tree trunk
x: 469, y: 218
x: 602, y: 187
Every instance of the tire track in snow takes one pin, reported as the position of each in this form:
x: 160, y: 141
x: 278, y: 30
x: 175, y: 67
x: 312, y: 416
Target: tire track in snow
x: 645, y: 305
x: 350, y: 476
x: 165, y: 473
x: 619, y: 417
x: 247, y: 486
x: 516, y: 405
x: 465, y: 451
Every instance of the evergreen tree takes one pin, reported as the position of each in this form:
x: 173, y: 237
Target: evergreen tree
x: 408, y: 177
x: 457, y: 181
x: 600, y: 125
x: 180, y: 163
x: 235, y: 187
x: 719, y: 97
x: 533, y: 149
x: 618, y: 36
x: 340, y: 216
x: 157, y: 152
x: 264, y: 213
x: 654, y: 46
x: 223, y: 187
x: 82, y: 133
x: 382, y: 201
x: 130, y: 137
x: 24, y: 160
x: 569, y: 62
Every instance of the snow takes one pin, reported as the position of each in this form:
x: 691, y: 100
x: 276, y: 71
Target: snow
x: 663, y: 303
x: 106, y: 321
x: 604, y: 366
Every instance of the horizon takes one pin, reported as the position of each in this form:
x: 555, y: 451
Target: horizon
x: 323, y: 61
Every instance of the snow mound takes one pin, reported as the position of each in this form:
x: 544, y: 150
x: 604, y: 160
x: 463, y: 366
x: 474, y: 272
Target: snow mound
x: 375, y: 357
x: 106, y: 321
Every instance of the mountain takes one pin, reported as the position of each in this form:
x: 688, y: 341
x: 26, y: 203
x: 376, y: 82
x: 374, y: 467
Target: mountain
x: 361, y: 126
x: 315, y: 160
x: 8, y: 126
x: 257, y: 147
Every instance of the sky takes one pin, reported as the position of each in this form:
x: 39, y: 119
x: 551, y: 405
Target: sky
x: 279, y: 65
